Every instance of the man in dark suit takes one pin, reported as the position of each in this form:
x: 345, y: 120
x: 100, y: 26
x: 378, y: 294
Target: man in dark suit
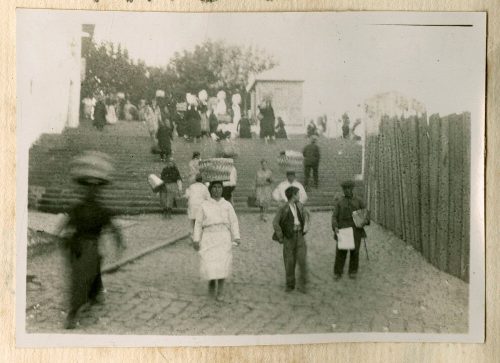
x: 290, y: 225
x: 312, y: 156
x: 342, y: 218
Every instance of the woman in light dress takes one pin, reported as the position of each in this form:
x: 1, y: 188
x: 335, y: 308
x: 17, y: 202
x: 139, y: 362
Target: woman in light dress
x: 152, y: 115
x: 215, y: 229
x: 196, y: 193
x: 263, y: 192
x: 111, y: 117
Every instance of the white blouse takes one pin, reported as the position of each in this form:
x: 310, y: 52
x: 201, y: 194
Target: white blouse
x: 212, y: 213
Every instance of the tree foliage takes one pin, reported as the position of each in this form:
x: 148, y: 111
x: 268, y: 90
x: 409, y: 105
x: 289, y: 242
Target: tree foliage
x: 215, y: 65
x: 212, y: 65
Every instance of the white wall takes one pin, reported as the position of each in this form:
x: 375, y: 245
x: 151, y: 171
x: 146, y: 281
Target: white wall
x: 48, y: 74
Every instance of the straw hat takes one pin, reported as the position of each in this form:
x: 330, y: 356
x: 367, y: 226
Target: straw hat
x: 92, y: 167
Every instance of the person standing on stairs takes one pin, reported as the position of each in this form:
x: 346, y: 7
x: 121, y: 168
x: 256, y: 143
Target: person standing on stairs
x: 164, y: 136
x: 279, y: 194
x: 152, y: 117
x: 194, y: 167
x: 230, y: 185
x: 172, y: 188
x: 100, y: 113
x: 312, y: 156
x: 263, y: 182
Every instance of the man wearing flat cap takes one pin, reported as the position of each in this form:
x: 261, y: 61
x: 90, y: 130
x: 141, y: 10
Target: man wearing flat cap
x: 342, y: 218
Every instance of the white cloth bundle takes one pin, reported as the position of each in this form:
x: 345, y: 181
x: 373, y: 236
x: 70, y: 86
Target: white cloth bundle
x: 160, y: 93
x: 236, y: 99
x: 203, y: 95
x: 191, y: 99
x: 155, y: 183
x: 346, y: 239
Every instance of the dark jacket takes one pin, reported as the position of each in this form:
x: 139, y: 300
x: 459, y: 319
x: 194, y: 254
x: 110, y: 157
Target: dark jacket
x: 170, y: 174
x: 311, y: 154
x: 164, y: 136
x: 100, y: 113
x: 283, y: 221
x: 342, y: 214
x: 213, y: 122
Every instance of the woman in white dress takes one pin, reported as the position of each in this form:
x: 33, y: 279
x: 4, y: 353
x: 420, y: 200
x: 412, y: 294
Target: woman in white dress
x: 111, y: 117
x: 215, y: 229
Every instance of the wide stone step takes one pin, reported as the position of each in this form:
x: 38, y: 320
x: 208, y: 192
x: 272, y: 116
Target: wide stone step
x: 128, y: 144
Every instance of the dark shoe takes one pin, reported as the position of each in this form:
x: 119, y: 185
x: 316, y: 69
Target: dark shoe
x: 98, y: 300
x: 70, y: 323
x: 211, y: 288
x: 352, y: 276
x: 289, y: 289
x: 337, y: 277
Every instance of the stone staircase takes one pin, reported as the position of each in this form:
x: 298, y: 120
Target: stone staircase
x: 128, y: 143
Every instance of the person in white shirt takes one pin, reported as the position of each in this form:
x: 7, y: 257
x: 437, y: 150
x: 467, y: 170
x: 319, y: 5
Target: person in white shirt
x: 279, y: 193
x: 196, y: 194
x: 230, y: 185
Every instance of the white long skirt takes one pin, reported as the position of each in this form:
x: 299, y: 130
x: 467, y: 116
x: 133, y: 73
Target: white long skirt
x: 216, y: 255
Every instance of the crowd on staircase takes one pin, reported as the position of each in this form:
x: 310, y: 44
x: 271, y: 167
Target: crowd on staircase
x: 196, y: 118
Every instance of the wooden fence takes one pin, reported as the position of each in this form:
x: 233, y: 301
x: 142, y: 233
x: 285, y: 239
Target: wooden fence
x: 417, y: 184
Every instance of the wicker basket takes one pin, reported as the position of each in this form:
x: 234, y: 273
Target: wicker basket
x: 290, y: 160
x: 216, y: 169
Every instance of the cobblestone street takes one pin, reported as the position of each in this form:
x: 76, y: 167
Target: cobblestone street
x: 161, y: 293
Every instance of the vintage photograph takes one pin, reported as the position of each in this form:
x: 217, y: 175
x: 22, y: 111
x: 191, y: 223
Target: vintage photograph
x: 249, y: 178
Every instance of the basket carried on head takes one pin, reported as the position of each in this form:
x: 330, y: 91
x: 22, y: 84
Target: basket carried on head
x: 91, y: 168
x: 290, y: 160
x: 216, y: 169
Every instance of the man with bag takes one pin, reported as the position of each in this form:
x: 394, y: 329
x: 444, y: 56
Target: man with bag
x: 342, y: 217
x: 290, y: 225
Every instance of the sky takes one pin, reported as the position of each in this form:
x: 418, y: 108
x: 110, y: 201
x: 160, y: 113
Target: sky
x: 343, y: 58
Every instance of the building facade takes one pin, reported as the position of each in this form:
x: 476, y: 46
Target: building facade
x: 48, y: 75
x: 287, y: 100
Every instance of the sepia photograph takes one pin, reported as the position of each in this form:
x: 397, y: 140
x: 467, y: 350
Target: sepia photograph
x: 201, y: 179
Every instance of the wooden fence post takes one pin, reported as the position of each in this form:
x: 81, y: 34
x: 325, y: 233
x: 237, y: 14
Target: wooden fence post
x: 465, y: 245
x: 443, y: 195
x: 434, y: 140
x: 424, y: 184
x: 455, y: 205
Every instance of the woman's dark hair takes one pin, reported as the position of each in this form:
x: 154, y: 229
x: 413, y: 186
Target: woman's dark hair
x: 214, y: 183
x: 196, y: 154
